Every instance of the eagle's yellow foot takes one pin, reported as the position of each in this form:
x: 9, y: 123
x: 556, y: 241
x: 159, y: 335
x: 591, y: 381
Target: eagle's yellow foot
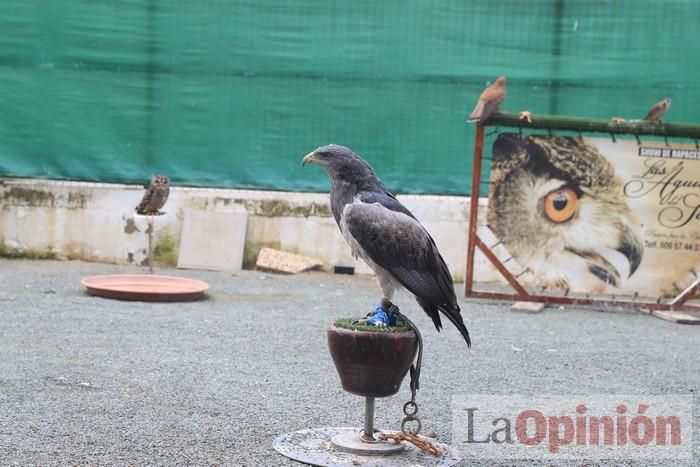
x: 617, y: 120
x: 525, y: 115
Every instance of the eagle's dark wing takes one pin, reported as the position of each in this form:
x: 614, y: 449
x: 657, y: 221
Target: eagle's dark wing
x: 393, y: 239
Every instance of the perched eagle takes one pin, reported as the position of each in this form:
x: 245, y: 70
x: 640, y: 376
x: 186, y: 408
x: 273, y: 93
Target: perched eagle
x: 155, y: 196
x: 384, y: 233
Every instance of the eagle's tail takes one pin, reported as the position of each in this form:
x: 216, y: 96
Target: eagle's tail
x: 452, y: 313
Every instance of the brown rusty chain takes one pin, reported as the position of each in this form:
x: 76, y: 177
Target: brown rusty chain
x: 424, y: 445
x: 410, y: 408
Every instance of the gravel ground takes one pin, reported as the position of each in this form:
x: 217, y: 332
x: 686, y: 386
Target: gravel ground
x: 85, y: 380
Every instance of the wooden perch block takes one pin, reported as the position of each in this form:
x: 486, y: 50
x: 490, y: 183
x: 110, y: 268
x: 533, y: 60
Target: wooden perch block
x: 284, y: 263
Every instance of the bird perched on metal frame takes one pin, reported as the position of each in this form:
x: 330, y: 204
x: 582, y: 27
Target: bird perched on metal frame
x: 388, y: 237
x: 489, y: 101
x: 658, y: 110
x: 155, y: 196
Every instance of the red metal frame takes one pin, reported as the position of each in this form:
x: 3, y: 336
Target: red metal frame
x: 522, y: 294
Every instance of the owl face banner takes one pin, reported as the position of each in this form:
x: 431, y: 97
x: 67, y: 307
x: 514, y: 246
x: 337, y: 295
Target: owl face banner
x: 593, y: 215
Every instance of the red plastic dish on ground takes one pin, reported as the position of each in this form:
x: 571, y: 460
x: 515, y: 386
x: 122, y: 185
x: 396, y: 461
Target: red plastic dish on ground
x: 145, y: 287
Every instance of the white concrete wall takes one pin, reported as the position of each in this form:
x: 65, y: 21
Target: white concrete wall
x: 96, y: 222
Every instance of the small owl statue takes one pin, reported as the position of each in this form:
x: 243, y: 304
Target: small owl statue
x: 155, y: 196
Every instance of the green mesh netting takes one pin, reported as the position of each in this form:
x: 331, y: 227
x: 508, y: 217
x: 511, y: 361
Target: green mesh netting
x: 234, y: 93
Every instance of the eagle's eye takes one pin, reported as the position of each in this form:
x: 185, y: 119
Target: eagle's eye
x: 560, y: 205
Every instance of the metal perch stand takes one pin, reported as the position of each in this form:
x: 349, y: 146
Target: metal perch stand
x: 146, y: 287
x: 368, y: 432
x: 370, y: 364
x: 150, y: 243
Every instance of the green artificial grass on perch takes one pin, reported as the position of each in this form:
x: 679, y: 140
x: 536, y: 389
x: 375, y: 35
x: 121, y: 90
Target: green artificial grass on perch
x: 354, y: 324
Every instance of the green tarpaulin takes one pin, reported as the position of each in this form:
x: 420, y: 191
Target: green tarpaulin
x: 233, y: 93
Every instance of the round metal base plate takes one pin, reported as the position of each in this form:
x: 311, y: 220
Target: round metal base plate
x: 351, y: 442
x: 314, y: 446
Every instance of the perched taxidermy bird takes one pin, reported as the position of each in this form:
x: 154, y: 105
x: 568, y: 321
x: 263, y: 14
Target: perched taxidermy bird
x: 489, y: 101
x: 155, y: 196
x: 384, y: 233
x: 658, y: 110
x: 559, y: 209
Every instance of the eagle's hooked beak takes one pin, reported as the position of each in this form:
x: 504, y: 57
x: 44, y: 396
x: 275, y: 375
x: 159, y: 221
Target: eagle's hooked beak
x: 310, y: 158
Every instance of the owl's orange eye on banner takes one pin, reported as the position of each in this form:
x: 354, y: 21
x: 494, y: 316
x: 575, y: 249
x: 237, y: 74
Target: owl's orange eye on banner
x: 560, y: 205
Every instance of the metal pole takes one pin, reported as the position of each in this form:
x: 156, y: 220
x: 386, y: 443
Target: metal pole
x: 368, y: 432
x: 513, y: 281
x: 474, y: 208
x: 150, y: 244
x: 687, y: 294
x: 590, y: 125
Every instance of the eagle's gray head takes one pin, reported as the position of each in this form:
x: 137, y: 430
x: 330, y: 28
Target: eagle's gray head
x: 559, y: 209
x: 342, y: 164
